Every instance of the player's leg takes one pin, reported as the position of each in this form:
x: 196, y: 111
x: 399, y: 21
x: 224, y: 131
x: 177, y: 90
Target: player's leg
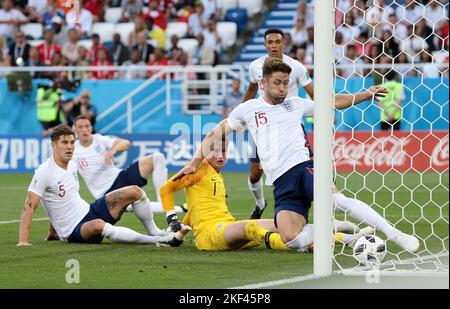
x: 365, y: 214
x: 156, y: 166
x: 119, y: 199
x: 94, y: 231
x: 255, y: 184
x: 238, y: 234
x: 293, y: 194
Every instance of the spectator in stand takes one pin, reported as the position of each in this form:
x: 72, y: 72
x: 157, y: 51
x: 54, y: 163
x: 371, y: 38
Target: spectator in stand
x: 204, y: 54
x: 80, y: 106
x: 70, y: 48
x: 61, y: 33
x: 96, y: 46
x: 82, y: 61
x: 86, y: 21
x: 402, y: 65
x: 213, y: 8
x: 154, y: 12
x: 33, y: 61
x: 394, y: 26
x: 135, y: 67
x: 157, y: 59
x: 48, y: 48
x: 289, y: 47
x: 298, y: 33
x: 144, y: 49
x: 36, y: 9
x: 19, y: 50
x: 233, y: 98
x: 413, y: 44
x: 426, y: 32
x: 183, y: 60
x: 305, y: 11
x: 51, y: 11
x: 174, y: 51
x: 155, y: 33
x: 139, y: 25
x: 10, y: 19
x: 410, y: 12
x: 131, y: 9
x: 197, y: 21
x: 352, y: 62
x: 339, y: 49
x: 102, y: 61
x: 96, y: 8
x: 310, y: 45
x: 435, y: 14
x: 212, y: 39
x: 118, y: 53
x: 390, y: 46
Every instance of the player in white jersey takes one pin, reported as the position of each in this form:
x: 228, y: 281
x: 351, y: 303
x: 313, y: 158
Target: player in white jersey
x: 55, y: 184
x: 94, y: 157
x: 274, y: 123
x: 273, y: 42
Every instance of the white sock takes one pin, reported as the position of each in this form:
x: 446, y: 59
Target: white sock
x: 125, y: 235
x: 346, y: 238
x: 159, y: 174
x: 303, y: 240
x: 364, y: 214
x: 157, y: 207
x: 143, y: 212
x: 257, y: 191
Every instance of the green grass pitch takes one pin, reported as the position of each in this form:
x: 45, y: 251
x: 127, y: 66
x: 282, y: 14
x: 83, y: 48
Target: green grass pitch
x: 413, y: 206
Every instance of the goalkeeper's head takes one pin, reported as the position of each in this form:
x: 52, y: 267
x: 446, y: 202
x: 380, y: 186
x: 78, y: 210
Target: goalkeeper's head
x: 218, y: 155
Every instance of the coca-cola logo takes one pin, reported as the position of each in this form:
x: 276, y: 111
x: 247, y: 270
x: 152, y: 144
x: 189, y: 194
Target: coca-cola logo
x: 439, y: 156
x: 381, y: 151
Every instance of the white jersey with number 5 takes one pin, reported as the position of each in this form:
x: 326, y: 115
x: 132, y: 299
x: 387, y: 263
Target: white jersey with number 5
x: 299, y: 75
x: 97, y: 174
x: 59, y: 192
x: 277, y: 132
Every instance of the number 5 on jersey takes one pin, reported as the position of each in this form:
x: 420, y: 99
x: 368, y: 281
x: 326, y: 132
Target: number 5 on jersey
x: 261, y: 119
x: 62, y: 192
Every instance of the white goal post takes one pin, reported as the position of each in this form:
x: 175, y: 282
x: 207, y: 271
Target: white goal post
x: 401, y: 172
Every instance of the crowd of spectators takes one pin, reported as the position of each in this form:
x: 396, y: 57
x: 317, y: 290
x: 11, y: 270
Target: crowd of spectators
x: 146, y: 44
x: 379, y: 32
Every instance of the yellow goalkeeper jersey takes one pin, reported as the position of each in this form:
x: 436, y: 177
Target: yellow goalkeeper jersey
x: 205, y: 196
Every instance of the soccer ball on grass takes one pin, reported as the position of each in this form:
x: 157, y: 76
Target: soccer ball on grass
x: 370, y: 250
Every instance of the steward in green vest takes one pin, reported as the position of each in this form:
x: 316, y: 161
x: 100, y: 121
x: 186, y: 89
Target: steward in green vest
x: 49, y: 111
x: 391, y: 105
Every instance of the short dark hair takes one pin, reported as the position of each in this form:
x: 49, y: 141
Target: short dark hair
x: 272, y: 65
x: 79, y: 117
x: 61, y: 130
x: 273, y: 30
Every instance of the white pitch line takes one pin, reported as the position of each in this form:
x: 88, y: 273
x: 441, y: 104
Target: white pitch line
x: 17, y: 221
x: 312, y: 276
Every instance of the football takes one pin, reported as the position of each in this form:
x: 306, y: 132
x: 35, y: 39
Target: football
x: 370, y: 250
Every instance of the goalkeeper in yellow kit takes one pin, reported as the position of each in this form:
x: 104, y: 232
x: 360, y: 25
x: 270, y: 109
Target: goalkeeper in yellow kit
x: 213, y: 225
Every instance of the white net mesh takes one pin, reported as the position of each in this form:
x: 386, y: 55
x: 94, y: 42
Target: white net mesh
x: 393, y: 155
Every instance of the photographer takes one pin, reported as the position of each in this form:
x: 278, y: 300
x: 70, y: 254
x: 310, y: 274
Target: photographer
x: 80, y: 106
x: 49, y: 112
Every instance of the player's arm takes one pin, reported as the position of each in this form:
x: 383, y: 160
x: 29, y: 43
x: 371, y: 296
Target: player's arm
x: 31, y: 203
x: 178, y: 238
x: 252, y: 90
x: 118, y: 145
x: 167, y: 192
x: 310, y: 90
x: 52, y: 234
x: 222, y: 130
x: 347, y: 100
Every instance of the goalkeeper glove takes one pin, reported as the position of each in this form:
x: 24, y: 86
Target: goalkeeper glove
x: 174, y: 223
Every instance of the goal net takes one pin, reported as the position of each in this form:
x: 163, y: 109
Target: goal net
x: 394, y: 154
